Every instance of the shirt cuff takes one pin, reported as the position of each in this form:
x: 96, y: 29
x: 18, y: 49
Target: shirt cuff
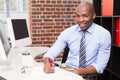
x: 45, y: 55
x: 98, y: 68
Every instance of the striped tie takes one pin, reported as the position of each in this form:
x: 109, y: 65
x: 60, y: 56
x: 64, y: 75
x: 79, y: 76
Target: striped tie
x: 82, y: 56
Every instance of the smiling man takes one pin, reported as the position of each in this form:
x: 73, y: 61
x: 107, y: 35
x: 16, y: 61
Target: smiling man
x: 97, y: 44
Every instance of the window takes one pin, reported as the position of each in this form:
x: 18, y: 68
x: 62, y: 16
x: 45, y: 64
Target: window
x: 14, y: 5
x: 2, y: 5
x: 25, y: 5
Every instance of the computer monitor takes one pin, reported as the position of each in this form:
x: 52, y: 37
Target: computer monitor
x: 4, y: 41
x: 19, y: 32
x: 2, y: 52
x: 4, y: 48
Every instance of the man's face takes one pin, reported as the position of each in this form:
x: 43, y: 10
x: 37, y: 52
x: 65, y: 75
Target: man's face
x: 84, y: 17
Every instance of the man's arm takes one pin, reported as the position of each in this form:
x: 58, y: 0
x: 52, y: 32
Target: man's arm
x: 48, y: 65
x: 85, y: 71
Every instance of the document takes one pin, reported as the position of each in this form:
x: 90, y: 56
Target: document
x: 59, y: 74
x: 27, y: 60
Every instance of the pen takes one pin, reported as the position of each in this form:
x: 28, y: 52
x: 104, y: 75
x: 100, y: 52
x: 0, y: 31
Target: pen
x: 51, y: 65
x: 50, y: 61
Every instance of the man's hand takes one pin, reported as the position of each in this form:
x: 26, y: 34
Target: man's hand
x: 48, y: 65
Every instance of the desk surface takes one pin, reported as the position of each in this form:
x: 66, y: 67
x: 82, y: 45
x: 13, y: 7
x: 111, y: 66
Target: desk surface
x: 16, y: 71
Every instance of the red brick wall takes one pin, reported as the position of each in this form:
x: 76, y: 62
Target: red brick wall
x: 48, y: 18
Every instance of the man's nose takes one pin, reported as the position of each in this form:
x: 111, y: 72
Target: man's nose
x: 80, y: 19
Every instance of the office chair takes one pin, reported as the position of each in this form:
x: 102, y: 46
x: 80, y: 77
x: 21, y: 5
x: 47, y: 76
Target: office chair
x: 65, y: 54
x: 64, y: 58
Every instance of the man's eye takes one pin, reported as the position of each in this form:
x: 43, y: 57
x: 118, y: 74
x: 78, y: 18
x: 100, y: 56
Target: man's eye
x: 85, y: 15
x: 77, y: 16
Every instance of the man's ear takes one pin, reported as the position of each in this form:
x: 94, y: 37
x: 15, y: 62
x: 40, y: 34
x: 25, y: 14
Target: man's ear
x: 94, y: 15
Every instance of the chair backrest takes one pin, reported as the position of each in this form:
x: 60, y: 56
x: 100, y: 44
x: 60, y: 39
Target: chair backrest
x: 65, y: 54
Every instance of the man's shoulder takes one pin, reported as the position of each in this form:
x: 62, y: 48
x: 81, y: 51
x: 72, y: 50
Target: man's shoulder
x: 73, y: 28
x: 101, y: 28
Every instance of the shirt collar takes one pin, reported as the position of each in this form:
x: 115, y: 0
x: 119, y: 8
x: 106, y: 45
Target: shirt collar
x: 89, y: 30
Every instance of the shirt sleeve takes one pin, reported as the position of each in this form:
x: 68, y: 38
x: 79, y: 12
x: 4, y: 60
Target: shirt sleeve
x: 103, y: 53
x: 58, y: 46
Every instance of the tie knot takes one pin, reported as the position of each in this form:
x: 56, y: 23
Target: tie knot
x: 83, y: 33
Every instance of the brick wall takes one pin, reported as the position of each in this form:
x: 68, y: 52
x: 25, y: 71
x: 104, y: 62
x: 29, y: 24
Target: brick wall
x: 48, y: 18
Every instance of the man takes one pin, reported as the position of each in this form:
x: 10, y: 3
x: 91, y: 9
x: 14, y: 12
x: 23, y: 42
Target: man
x: 97, y: 43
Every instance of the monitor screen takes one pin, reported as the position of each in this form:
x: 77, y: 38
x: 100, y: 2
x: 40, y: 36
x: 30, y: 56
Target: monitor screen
x: 20, y: 28
x: 19, y: 32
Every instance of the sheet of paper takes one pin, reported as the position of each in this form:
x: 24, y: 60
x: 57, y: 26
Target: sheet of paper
x: 27, y: 61
x: 39, y: 74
